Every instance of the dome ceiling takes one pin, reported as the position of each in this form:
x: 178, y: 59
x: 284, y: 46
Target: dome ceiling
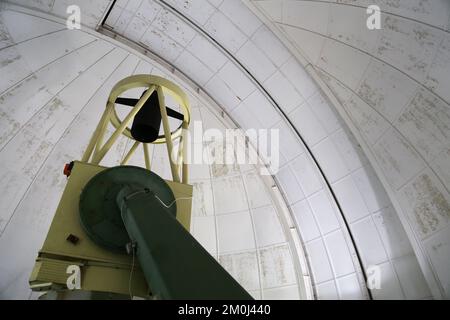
x: 392, y: 86
x: 269, y: 64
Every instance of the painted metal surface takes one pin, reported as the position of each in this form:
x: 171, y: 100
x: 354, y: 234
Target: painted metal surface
x: 102, y: 270
x: 100, y: 216
x: 392, y: 84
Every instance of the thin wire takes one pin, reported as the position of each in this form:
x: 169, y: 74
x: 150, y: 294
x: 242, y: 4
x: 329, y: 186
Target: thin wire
x: 158, y: 198
x: 132, y: 244
x: 173, y: 202
x: 131, y: 274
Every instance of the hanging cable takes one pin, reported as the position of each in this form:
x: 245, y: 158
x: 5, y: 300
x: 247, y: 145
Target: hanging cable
x: 131, y: 246
x: 168, y: 206
x: 173, y: 202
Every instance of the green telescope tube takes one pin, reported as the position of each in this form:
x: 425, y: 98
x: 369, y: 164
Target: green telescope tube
x: 174, y: 264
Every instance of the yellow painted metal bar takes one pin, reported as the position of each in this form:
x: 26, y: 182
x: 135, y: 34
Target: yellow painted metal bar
x: 100, y: 137
x: 146, y: 156
x: 185, y: 171
x: 99, y: 156
x: 93, y: 142
x: 130, y: 153
x: 181, y: 153
x: 167, y: 133
x: 180, y: 158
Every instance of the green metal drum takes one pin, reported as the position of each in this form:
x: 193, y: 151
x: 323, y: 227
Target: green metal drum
x: 100, y: 215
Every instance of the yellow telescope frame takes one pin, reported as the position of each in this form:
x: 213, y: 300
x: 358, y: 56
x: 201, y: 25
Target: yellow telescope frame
x: 97, y: 150
x: 104, y: 271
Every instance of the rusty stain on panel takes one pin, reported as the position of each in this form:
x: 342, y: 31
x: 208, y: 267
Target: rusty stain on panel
x: 369, y: 122
x: 276, y: 266
x: 409, y: 46
x: 431, y: 207
x: 426, y: 123
x: 243, y: 267
x: 202, y: 198
x: 397, y: 158
x: 10, y: 57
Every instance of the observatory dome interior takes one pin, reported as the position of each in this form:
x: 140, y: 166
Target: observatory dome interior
x: 349, y: 196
